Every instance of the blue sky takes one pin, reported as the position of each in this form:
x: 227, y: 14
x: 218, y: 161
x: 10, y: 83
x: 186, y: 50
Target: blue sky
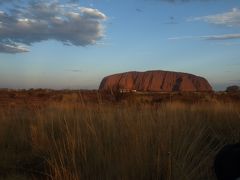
x: 63, y: 44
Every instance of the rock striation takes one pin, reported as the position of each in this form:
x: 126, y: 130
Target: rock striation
x: 155, y: 81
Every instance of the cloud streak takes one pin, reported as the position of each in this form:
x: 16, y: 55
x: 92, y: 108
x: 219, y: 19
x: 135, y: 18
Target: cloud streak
x: 208, y: 37
x: 176, y: 1
x: 75, y: 70
x: 38, y: 21
x: 222, y: 37
x: 5, y: 1
x: 231, y: 18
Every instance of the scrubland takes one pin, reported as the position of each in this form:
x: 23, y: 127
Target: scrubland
x: 71, y: 140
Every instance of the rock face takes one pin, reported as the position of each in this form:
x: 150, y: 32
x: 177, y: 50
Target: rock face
x: 155, y: 81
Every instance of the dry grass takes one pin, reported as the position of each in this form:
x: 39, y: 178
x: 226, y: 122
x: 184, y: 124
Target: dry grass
x: 72, y: 141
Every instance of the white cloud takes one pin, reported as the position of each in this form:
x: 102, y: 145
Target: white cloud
x: 38, y: 21
x: 12, y: 48
x: 92, y: 13
x: 231, y: 18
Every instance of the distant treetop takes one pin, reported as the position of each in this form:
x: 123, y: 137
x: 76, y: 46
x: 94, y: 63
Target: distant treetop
x: 233, y: 88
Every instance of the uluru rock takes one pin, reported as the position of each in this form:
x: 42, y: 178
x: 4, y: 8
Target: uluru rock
x: 155, y: 81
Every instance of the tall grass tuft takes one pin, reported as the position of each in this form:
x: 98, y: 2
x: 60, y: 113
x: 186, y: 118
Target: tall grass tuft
x: 77, y: 141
